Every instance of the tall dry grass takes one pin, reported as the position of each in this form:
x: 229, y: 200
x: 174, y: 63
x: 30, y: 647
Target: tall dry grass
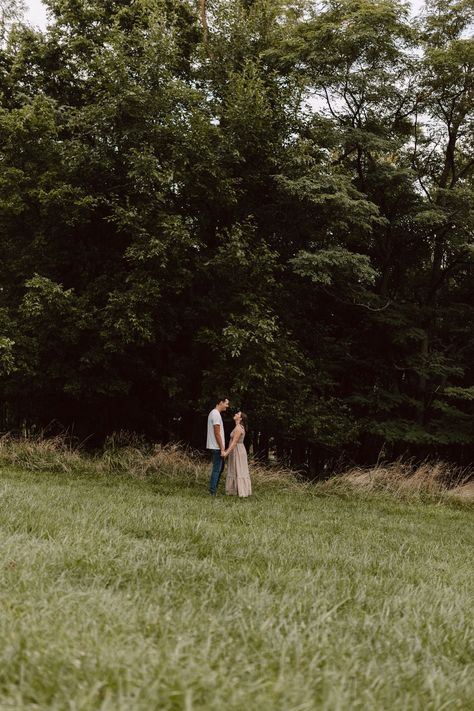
x: 127, y: 454
x: 120, y: 455
x: 404, y: 478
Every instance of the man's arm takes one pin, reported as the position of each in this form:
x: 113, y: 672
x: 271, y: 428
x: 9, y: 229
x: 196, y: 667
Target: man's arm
x: 217, y: 433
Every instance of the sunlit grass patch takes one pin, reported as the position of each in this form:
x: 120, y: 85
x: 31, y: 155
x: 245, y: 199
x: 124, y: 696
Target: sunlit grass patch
x: 139, y: 591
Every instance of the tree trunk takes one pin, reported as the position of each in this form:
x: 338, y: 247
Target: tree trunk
x: 203, y: 15
x: 262, y: 447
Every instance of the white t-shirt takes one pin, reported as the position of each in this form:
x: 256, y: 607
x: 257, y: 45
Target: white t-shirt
x: 214, y: 419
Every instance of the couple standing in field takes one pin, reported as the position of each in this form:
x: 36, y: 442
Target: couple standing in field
x: 237, y: 481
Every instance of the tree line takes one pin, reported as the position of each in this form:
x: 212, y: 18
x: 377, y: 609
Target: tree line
x: 268, y: 200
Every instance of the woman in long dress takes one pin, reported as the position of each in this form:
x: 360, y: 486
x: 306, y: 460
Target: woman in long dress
x: 237, y: 481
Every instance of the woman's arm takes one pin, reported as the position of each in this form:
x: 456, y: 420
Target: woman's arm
x: 237, y: 432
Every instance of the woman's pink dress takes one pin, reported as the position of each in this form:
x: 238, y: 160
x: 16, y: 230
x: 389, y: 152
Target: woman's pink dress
x: 237, y: 481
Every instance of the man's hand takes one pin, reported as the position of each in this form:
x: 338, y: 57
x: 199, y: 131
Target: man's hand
x: 223, y: 453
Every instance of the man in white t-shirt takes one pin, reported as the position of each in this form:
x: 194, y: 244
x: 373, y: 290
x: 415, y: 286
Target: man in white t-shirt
x: 216, y: 442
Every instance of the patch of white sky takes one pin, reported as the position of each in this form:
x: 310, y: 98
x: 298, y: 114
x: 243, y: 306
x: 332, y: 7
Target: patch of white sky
x: 37, y: 16
x: 36, y: 13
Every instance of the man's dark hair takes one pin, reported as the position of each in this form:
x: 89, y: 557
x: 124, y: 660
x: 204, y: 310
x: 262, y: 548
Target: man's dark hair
x: 221, y: 399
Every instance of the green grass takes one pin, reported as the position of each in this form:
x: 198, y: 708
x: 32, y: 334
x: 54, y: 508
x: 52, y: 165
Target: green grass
x: 123, y: 594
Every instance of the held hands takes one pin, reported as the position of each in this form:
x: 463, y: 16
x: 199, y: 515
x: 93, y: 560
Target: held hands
x: 224, y: 453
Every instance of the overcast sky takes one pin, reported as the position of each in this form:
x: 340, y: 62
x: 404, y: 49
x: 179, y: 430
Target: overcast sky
x: 36, y: 13
x: 37, y: 16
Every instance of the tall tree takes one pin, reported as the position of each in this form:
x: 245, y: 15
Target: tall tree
x: 279, y: 206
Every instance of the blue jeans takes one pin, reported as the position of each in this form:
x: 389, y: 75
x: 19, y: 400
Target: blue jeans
x: 217, y: 467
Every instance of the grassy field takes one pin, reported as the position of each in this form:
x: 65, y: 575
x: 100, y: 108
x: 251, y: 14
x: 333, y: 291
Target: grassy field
x: 123, y: 593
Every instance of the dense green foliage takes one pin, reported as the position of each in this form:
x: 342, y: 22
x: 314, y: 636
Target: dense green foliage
x: 270, y: 199
x: 125, y: 594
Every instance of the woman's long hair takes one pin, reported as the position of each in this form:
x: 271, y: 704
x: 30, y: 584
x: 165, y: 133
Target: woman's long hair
x: 243, y: 420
